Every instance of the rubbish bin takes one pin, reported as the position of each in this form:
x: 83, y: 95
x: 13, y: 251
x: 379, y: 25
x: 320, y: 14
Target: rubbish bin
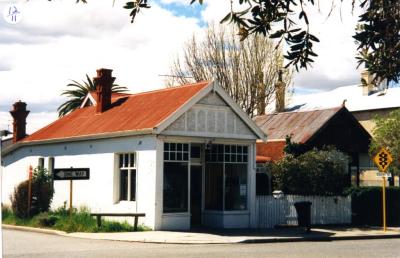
x: 303, y: 210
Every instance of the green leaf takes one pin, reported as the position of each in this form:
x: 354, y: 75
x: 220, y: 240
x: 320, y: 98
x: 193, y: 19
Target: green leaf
x: 227, y: 18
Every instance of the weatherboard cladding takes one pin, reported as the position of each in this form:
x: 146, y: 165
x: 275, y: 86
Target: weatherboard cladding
x: 300, y: 125
x: 127, y: 113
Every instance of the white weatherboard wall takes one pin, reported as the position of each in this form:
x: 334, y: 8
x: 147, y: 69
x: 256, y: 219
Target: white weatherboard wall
x: 324, y: 210
x: 98, y: 193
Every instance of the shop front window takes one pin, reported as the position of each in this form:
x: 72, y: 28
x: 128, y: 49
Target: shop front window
x: 175, y: 192
x: 226, y: 177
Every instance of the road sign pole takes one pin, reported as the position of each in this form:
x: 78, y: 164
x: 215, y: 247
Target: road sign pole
x: 29, y: 189
x: 384, y: 202
x: 70, y: 198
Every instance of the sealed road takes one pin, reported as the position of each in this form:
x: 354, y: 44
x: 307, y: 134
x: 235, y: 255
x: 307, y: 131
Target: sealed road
x: 29, y: 244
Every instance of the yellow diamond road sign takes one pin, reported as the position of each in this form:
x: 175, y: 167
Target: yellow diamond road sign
x: 383, y: 159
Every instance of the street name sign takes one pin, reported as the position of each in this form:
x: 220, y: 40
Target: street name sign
x: 383, y: 159
x: 380, y: 174
x: 71, y: 173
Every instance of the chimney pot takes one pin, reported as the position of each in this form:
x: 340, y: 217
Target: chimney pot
x: 280, y: 89
x: 19, y: 113
x: 103, y: 82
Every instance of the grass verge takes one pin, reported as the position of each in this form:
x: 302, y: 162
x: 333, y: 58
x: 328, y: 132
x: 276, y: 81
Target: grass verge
x: 79, y: 221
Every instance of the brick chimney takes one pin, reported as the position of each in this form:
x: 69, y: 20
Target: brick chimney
x: 366, y: 83
x: 280, y: 89
x: 103, y: 82
x: 19, y: 113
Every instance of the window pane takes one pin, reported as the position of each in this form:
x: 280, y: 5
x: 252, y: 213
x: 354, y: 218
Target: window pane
x: 132, y: 160
x: 123, y: 186
x: 166, y: 155
x: 133, y: 184
x: 175, y: 187
x: 220, y: 148
x: 185, y: 147
x: 179, y: 146
x: 185, y: 156
x: 245, y: 149
x: 244, y: 158
x: 227, y: 157
x: 227, y: 148
x: 235, y: 186
x: 166, y: 146
x: 179, y: 156
x: 172, y: 146
x: 214, y: 186
x: 126, y: 160
x: 172, y: 156
x: 233, y: 149
x: 239, y: 149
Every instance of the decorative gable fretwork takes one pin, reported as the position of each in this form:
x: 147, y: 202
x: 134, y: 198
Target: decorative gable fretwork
x: 210, y: 117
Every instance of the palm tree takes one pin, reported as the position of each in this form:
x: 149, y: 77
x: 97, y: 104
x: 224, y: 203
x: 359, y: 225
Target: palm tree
x: 78, y: 94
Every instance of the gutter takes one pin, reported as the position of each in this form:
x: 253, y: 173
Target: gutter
x: 20, y: 144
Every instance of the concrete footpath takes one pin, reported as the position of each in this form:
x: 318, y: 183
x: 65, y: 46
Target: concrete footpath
x: 206, y: 236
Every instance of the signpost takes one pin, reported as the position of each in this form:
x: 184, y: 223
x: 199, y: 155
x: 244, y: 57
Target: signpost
x: 71, y: 174
x: 382, y: 160
x: 30, y: 169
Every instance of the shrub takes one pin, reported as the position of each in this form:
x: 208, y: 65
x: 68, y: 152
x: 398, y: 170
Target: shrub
x: 366, y: 205
x: 19, y: 200
x: 315, y: 172
x: 46, y: 220
x: 42, y: 195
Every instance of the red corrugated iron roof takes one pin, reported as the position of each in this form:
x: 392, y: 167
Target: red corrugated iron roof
x: 128, y: 112
x: 300, y: 125
x: 114, y: 95
x: 269, y: 151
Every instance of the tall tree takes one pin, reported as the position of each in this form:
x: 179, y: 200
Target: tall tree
x: 247, y: 70
x: 387, y: 134
x: 78, y: 92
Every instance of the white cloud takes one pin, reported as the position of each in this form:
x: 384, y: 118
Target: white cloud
x: 57, y: 41
x: 336, y: 64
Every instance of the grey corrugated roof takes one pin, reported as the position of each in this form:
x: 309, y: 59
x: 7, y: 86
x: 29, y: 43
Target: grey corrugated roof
x: 301, y: 125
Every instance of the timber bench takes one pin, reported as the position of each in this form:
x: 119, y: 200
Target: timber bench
x: 136, y: 215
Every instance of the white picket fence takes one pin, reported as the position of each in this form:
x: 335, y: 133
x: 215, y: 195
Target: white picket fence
x: 324, y: 210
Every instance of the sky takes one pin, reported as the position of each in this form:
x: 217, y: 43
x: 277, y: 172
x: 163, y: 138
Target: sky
x: 57, y: 41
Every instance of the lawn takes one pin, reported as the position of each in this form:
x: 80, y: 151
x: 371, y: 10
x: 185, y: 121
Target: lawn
x: 60, y: 219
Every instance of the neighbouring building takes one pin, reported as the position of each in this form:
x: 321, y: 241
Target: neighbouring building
x: 363, y: 101
x: 315, y: 129
x: 184, y: 156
